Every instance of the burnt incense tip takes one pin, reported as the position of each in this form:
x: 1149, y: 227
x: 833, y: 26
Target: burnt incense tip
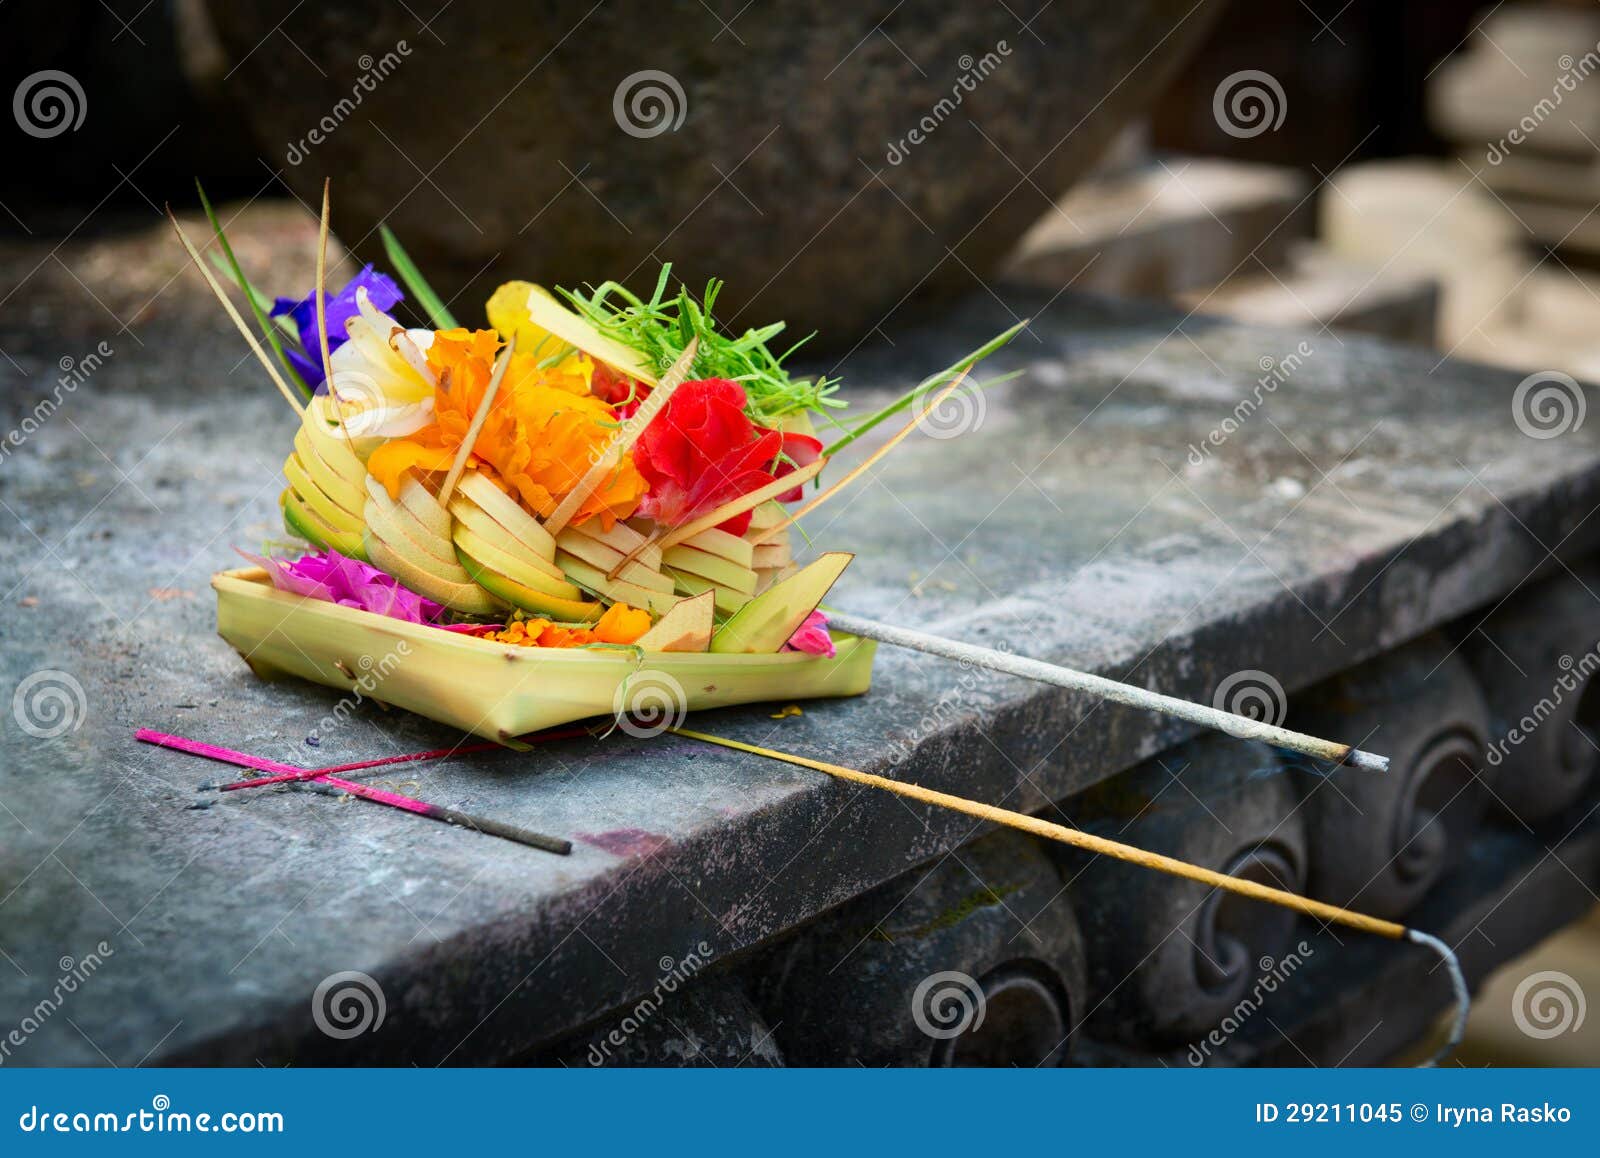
x: 1368, y: 760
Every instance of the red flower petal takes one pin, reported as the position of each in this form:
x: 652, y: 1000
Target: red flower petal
x: 702, y: 451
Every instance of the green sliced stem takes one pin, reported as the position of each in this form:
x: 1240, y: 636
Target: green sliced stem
x: 267, y: 329
x: 932, y: 381
x: 438, y: 313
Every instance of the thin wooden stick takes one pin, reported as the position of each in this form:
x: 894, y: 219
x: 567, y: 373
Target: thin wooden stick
x: 623, y: 439
x: 1077, y: 838
x: 797, y: 477
x: 322, y: 309
x: 255, y: 346
x: 479, y: 417
x: 861, y: 469
x: 1242, y: 727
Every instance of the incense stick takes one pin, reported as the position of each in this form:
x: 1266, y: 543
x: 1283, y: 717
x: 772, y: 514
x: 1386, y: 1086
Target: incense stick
x: 410, y: 757
x: 623, y: 439
x: 382, y: 796
x: 1100, y: 845
x: 479, y: 417
x: 255, y: 346
x: 862, y: 468
x: 1242, y: 727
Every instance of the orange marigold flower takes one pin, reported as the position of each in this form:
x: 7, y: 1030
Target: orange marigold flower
x: 538, y: 440
x: 621, y: 624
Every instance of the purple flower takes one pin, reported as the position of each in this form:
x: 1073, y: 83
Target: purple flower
x: 341, y: 307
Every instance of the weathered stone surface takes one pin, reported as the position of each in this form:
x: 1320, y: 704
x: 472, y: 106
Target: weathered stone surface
x: 909, y: 974
x: 1365, y: 1001
x: 1169, y: 226
x: 1171, y: 957
x: 494, y: 150
x: 1075, y: 524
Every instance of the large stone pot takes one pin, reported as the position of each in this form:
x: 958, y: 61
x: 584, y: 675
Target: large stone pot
x: 814, y: 167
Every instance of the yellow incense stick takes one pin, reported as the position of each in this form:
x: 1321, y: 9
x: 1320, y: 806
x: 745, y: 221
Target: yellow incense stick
x: 255, y: 346
x: 863, y: 467
x: 1077, y: 838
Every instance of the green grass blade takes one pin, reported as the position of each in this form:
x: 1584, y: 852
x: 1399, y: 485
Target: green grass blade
x: 921, y: 388
x: 438, y: 313
x: 250, y: 294
x: 282, y: 322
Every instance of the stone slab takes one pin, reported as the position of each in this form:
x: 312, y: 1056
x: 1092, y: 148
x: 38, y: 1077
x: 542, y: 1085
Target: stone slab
x: 1374, y: 493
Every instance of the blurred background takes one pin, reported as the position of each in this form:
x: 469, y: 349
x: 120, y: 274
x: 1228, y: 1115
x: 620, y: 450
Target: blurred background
x: 1436, y: 183
x: 1428, y: 172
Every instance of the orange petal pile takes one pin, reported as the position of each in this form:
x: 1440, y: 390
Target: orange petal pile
x: 620, y: 624
x: 539, y: 438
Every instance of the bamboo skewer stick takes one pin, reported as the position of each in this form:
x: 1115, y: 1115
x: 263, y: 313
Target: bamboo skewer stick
x: 1242, y: 727
x: 747, y: 502
x: 322, y: 308
x: 233, y: 314
x: 867, y: 464
x: 1319, y: 910
x: 479, y: 417
x: 623, y: 439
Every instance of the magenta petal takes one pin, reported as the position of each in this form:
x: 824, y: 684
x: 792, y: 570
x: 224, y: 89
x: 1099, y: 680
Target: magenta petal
x: 348, y: 582
x: 812, y: 637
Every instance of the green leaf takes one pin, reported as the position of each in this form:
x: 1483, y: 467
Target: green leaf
x: 438, y: 313
x: 250, y: 294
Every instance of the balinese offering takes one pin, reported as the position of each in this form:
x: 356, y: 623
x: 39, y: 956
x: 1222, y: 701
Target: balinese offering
x: 582, y: 508
x: 546, y: 515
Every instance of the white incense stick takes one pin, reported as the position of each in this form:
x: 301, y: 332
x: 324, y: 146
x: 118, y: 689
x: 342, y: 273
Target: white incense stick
x: 1242, y: 727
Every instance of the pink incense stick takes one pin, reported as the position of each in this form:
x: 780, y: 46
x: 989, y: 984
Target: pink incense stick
x: 431, y: 754
x: 362, y: 791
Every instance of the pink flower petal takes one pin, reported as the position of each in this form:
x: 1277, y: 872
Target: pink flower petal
x: 812, y: 637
